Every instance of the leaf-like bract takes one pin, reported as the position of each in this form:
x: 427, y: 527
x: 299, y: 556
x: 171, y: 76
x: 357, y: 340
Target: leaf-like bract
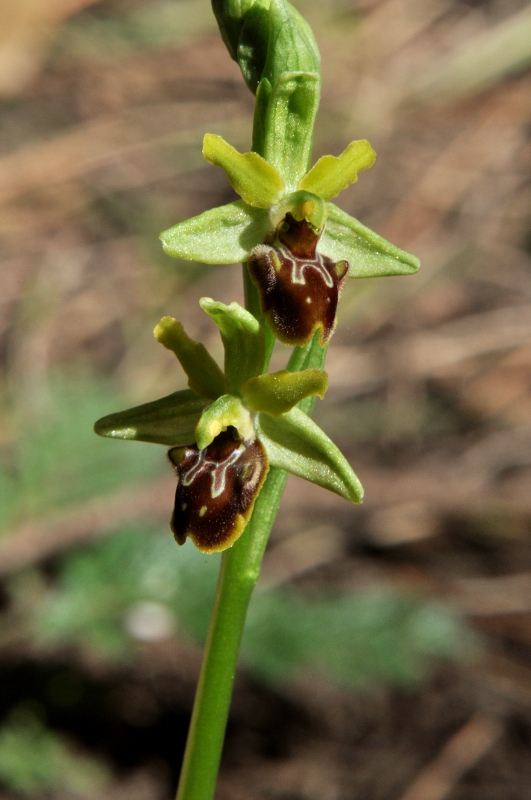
x: 223, y: 235
x: 171, y: 420
x: 296, y: 444
x: 368, y: 254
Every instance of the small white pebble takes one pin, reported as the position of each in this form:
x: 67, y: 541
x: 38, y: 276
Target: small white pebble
x: 147, y: 621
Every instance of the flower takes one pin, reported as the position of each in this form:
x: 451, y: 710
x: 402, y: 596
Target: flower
x: 298, y: 245
x: 216, y: 489
x: 230, y: 426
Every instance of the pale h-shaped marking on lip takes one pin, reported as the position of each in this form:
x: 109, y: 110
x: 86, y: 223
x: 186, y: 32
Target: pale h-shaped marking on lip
x: 218, y: 474
x: 299, y: 265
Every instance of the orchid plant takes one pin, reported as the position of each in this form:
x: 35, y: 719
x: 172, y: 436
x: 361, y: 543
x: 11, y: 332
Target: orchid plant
x: 235, y: 433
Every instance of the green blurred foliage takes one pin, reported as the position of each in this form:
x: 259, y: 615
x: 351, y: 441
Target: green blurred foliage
x: 53, y: 458
x: 374, y: 636
x: 370, y: 418
x: 132, y: 581
x: 139, y: 585
x: 93, y: 35
x: 33, y: 761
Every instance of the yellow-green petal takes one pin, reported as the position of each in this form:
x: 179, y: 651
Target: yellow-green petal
x: 226, y: 411
x: 331, y: 174
x: 204, y: 375
x: 256, y: 181
x: 278, y: 392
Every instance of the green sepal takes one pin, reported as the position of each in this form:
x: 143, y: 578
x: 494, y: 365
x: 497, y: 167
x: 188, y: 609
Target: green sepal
x: 368, y: 254
x: 256, y: 181
x: 225, y: 411
x: 171, y: 420
x: 278, y: 392
x: 331, y: 174
x: 243, y: 339
x: 294, y: 442
x: 204, y: 376
x: 223, y: 235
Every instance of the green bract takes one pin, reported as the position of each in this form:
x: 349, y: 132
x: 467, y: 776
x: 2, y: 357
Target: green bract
x: 258, y: 406
x: 279, y: 59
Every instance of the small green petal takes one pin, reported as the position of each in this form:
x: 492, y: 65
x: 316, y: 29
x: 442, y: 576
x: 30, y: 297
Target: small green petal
x: 301, y: 205
x: 368, y: 254
x: 170, y: 420
x: 294, y: 442
x: 243, y: 339
x: 277, y: 392
x: 225, y: 411
x: 223, y: 235
x: 331, y: 174
x: 204, y: 375
x: 256, y: 181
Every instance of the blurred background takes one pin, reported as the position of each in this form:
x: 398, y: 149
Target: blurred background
x: 388, y: 650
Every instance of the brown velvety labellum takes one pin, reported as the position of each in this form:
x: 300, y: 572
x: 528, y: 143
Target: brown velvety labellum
x: 216, y: 490
x: 298, y: 286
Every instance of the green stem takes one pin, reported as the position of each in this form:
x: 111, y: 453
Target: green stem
x: 240, y: 569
